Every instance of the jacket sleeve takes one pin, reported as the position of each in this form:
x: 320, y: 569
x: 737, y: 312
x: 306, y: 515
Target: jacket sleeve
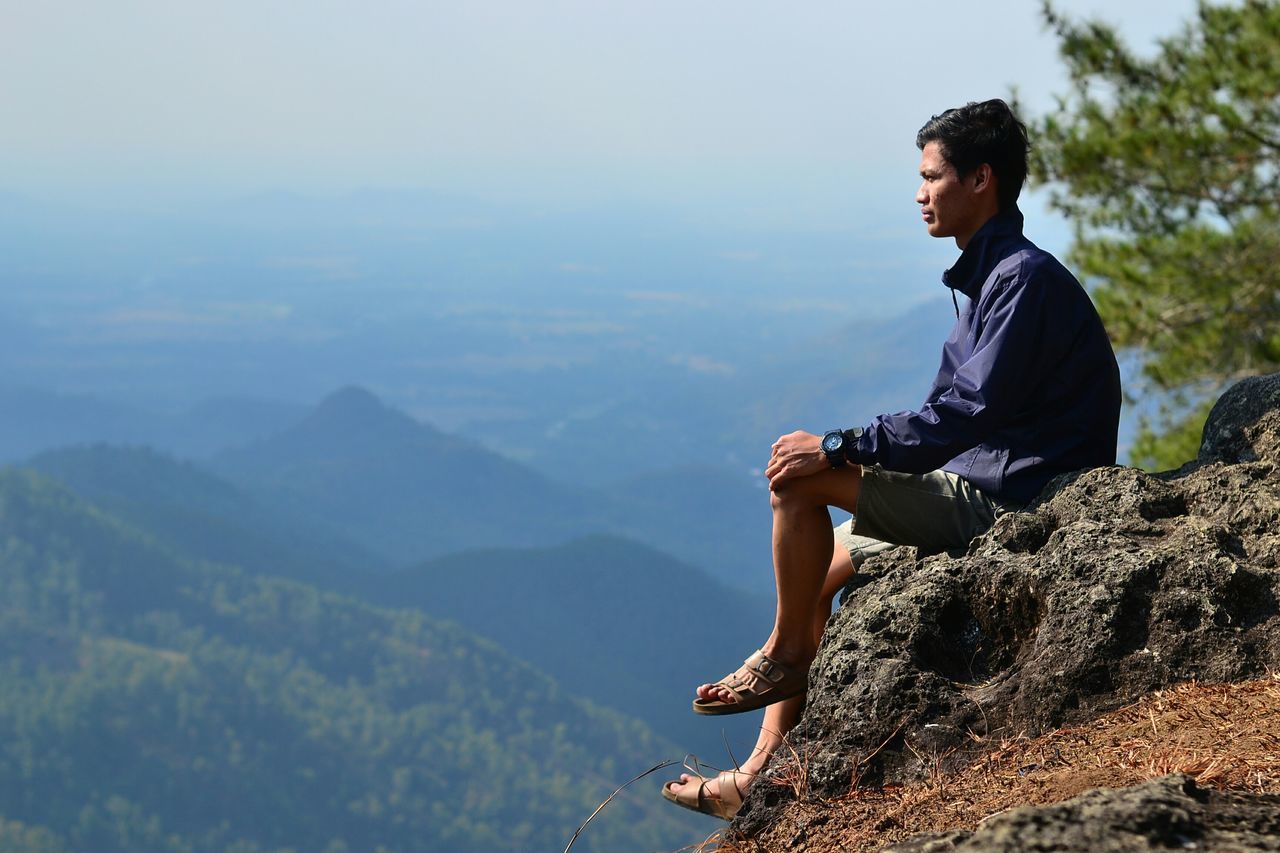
x: 986, y: 391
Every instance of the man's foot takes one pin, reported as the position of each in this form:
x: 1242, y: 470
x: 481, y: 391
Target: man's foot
x: 760, y: 681
x: 719, y: 796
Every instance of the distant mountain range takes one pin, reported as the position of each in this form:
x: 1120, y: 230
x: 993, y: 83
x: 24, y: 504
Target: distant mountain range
x: 37, y: 420
x: 203, y: 516
x: 397, y: 489
x: 151, y: 702
x: 408, y: 492
x: 606, y: 611
x: 401, y: 487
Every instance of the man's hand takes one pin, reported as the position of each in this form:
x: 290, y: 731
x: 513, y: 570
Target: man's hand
x: 797, y: 454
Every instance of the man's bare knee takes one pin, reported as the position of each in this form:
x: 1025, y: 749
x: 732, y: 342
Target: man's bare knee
x: 838, y: 487
x: 796, y: 494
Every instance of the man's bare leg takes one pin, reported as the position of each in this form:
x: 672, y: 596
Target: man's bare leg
x: 781, y: 717
x: 802, y: 556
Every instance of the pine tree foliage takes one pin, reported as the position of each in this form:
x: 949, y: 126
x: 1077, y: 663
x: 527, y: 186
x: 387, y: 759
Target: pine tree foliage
x: 1168, y: 166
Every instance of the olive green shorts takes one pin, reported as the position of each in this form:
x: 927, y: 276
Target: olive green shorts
x: 935, y: 512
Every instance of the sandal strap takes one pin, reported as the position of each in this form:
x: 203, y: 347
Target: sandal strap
x: 760, y: 681
x: 766, y: 667
x: 758, y: 675
x: 730, y: 793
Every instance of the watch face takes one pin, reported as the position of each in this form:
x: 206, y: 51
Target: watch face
x: 832, y: 442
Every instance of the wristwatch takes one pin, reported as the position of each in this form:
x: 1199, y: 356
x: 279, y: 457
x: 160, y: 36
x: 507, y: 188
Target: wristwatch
x: 836, y: 444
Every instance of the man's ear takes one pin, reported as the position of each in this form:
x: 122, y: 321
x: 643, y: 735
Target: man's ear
x: 983, y: 178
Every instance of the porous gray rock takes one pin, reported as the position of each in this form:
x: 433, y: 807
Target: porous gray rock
x: 1170, y: 813
x: 1112, y: 584
x: 1244, y: 425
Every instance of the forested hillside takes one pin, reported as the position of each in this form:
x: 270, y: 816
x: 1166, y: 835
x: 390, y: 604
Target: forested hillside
x: 605, y: 617
x: 151, y: 702
x: 203, y: 516
x: 603, y: 609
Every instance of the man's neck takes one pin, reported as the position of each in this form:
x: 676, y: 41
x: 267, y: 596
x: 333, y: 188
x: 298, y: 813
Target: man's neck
x: 963, y: 240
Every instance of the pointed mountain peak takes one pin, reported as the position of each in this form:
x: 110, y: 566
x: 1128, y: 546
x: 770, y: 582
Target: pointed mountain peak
x: 351, y: 400
x: 353, y: 411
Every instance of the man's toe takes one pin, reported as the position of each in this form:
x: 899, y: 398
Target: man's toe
x: 677, y: 785
x: 715, y: 693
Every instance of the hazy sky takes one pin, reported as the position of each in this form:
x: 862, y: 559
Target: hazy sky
x: 752, y: 103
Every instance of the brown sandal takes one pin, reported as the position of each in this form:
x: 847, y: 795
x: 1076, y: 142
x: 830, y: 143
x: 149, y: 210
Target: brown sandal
x: 760, y: 681
x: 690, y: 795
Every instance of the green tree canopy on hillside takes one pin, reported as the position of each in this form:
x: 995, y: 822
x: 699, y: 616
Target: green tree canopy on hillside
x: 153, y: 702
x: 1168, y: 166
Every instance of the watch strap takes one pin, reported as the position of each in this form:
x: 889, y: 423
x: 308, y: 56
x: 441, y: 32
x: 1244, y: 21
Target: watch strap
x: 850, y: 446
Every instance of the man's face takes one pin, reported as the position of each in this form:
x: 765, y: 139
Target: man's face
x: 947, y: 203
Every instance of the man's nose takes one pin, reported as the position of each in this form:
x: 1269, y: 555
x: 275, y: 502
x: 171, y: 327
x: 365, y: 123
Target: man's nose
x: 921, y: 195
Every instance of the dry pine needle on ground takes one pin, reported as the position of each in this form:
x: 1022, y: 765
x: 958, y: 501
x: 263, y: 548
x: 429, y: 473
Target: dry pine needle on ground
x: 1223, y: 735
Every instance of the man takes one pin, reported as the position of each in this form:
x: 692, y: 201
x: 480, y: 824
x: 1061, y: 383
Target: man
x: 1028, y: 388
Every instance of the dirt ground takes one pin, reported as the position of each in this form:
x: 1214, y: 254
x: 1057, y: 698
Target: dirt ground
x: 1225, y: 735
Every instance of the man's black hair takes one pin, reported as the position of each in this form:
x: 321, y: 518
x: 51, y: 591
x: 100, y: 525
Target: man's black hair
x: 977, y: 133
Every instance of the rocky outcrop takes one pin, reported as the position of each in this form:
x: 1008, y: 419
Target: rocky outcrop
x: 1171, y: 813
x: 1112, y: 584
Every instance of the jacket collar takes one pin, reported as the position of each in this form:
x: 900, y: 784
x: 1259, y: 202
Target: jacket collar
x: 986, y: 249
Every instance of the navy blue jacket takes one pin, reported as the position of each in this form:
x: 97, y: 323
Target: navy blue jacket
x: 1028, y: 387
